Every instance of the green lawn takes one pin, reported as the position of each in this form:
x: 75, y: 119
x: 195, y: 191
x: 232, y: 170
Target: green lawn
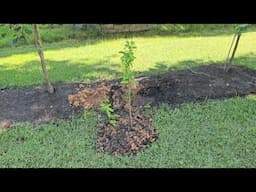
x: 214, y: 134
x: 217, y: 134
x: 83, y: 61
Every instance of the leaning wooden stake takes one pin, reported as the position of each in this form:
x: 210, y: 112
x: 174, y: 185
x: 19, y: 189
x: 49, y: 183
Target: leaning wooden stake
x: 227, y: 60
x: 236, y: 38
x: 39, y: 48
x: 235, y: 48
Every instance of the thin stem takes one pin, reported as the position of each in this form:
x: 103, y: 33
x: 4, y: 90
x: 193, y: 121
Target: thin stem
x: 130, y: 104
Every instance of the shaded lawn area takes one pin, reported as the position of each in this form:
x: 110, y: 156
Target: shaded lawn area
x: 214, y: 134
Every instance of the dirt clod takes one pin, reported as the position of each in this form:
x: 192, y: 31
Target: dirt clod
x: 5, y: 124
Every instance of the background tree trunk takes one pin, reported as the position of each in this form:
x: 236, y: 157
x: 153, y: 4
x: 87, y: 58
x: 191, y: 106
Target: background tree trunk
x: 39, y: 48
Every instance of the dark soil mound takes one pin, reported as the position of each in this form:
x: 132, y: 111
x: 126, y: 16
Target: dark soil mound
x: 199, y: 84
x: 124, y: 139
x: 36, y: 104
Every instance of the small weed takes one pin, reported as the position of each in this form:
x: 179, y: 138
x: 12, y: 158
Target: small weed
x: 148, y: 109
x: 108, y: 110
x: 147, y: 106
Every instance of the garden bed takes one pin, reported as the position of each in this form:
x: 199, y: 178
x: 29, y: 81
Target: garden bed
x: 198, y: 84
x: 191, y: 85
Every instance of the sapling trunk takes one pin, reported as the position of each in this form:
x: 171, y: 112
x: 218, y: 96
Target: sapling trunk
x: 39, y: 48
x: 127, y: 59
x: 130, y: 103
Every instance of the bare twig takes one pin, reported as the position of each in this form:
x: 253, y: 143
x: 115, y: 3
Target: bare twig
x: 205, y: 99
x: 236, y: 92
x: 200, y: 73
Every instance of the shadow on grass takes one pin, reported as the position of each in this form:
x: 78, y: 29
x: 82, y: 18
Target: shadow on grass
x: 165, y: 67
x: 248, y: 60
x: 66, y: 71
x: 59, y: 71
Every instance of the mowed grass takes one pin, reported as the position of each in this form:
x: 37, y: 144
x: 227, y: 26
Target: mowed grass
x: 213, y: 135
x: 70, y: 61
